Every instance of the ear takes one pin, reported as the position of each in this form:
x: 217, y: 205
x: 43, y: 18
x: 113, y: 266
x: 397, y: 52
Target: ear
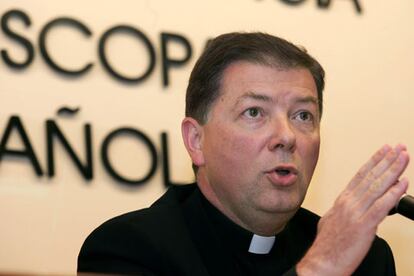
x: 192, y: 133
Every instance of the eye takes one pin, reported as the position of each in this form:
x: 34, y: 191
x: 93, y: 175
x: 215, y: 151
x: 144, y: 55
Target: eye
x: 304, y: 116
x: 252, y: 112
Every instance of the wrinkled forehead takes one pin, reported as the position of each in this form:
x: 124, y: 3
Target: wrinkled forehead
x: 263, y: 83
x: 243, y: 78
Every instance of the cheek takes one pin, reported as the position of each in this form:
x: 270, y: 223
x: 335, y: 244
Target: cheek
x: 310, y: 153
x: 233, y: 149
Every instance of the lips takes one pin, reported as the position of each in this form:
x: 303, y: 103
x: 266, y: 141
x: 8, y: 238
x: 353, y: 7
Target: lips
x: 283, y: 175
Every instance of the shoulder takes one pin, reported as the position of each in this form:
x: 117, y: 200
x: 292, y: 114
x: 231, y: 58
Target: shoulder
x: 305, y: 220
x: 166, y: 210
x: 137, y: 239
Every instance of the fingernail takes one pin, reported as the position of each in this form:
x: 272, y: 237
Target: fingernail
x: 400, y: 147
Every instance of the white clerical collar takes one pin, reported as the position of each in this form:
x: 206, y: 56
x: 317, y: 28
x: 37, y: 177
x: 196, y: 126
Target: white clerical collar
x: 261, y: 244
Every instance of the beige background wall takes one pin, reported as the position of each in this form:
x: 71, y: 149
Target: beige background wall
x: 369, y: 101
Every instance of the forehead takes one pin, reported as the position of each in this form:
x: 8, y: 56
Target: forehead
x: 243, y: 78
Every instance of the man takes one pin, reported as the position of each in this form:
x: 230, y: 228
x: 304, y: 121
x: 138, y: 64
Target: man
x: 253, y: 110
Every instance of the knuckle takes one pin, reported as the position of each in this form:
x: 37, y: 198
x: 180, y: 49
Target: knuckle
x: 395, y: 169
x: 370, y: 176
x: 376, y: 187
x: 391, y: 156
x: 359, y: 176
x: 394, y: 193
x: 378, y: 156
x: 374, y: 215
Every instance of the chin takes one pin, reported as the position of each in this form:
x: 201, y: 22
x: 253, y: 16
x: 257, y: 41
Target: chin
x: 280, y: 202
x: 281, y: 207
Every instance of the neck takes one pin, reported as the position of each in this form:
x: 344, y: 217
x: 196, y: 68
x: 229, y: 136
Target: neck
x: 257, y: 221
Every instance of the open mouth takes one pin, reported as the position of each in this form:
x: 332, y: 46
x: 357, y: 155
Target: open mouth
x: 283, y: 175
x: 283, y: 172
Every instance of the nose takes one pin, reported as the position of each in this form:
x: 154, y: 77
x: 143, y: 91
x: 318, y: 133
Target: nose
x: 283, y: 136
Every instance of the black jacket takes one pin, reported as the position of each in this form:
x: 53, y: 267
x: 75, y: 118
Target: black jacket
x: 178, y: 236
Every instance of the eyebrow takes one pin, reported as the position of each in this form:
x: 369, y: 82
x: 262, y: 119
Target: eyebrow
x: 254, y: 96
x: 265, y: 98
x: 308, y: 99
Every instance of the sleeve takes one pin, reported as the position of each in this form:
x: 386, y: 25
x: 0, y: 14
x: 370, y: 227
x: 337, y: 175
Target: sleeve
x: 379, y: 260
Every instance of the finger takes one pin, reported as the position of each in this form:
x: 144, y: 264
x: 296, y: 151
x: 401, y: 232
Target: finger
x: 380, y: 209
x: 385, y: 181
x: 378, y: 170
x: 372, y: 162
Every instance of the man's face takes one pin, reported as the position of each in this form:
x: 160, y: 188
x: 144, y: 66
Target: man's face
x: 260, y: 144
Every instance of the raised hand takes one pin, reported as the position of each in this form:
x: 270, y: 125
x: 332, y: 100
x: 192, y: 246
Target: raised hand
x: 346, y: 231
